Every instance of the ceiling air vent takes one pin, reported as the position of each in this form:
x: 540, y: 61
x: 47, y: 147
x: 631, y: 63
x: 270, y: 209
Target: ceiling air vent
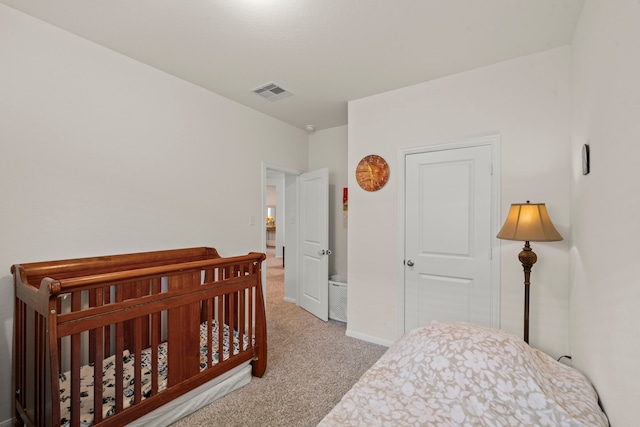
x: 272, y: 92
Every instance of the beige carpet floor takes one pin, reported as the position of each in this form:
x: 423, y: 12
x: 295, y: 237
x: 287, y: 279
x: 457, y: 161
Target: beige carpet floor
x: 311, y: 365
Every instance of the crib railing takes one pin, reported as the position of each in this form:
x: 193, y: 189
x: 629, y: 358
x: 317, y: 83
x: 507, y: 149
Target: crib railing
x: 71, y: 323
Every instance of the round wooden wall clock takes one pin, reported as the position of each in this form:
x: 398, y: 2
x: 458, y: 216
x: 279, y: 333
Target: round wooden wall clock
x: 372, y: 172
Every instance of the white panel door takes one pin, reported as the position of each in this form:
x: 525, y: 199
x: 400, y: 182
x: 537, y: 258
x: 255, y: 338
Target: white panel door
x: 448, y: 236
x: 314, y: 242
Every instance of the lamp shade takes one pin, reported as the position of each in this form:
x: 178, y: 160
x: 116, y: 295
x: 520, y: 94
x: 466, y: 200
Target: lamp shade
x: 529, y: 222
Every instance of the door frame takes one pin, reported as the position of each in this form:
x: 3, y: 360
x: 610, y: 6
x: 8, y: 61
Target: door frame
x: 494, y: 141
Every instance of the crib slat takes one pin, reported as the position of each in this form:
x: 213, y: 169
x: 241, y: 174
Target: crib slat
x: 106, y: 295
x: 75, y: 365
x: 119, y: 363
x: 96, y: 355
x: 155, y: 342
x: 250, y: 321
x: 140, y: 340
x: 232, y: 319
x: 209, y: 311
x: 156, y: 328
x: 19, y: 353
x: 137, y: 350
x: 241, y: 323
x: 40, y: 334
x: 208, y: 278
x: 209, y: 333
x: 29, y: 374
x: 221, y: 306
x: 59, y: 310
x: 93, y: 302
x: 98, y: 349
x: 75, y: 379
x: 251, y: 315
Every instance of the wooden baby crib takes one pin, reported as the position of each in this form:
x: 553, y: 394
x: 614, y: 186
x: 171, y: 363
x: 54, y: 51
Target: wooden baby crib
x: 149, y: 327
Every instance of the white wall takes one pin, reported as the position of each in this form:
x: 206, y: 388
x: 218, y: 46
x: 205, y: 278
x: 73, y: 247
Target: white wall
x: 328, y: 148
x: 605, y: 285
x: 526, y: 102
x: 102, y: 155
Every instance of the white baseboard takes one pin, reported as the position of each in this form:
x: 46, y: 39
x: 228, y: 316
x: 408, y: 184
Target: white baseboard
x: 290, y: 300
x: 6, y: 423
x: 368, y: 338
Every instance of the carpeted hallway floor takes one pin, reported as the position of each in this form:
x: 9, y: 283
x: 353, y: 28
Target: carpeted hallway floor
x: 311, y: 364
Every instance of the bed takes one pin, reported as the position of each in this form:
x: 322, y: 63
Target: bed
x: 160, y: 333
x: 455, y: 374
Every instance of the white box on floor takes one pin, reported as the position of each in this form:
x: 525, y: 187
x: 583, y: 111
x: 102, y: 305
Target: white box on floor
x: 338, y: 298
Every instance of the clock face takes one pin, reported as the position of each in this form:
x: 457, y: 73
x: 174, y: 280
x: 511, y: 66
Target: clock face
x: 372, y: 172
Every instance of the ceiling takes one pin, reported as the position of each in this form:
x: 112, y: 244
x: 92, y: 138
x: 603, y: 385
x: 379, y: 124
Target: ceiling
x: 326, y: 52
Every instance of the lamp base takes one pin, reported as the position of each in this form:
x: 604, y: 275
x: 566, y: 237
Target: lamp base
x: 527, y: 257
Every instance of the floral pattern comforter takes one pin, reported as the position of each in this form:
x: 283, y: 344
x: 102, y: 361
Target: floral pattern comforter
x: 109, y: 372
x: 459, y: 374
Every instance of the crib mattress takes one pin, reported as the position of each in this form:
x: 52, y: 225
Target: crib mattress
x: 109, y: 376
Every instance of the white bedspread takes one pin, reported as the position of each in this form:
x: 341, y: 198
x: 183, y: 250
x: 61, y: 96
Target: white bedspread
x: 459, y: 374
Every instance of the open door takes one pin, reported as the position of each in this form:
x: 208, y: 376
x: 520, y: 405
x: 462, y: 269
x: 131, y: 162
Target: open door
x: 314, y: 243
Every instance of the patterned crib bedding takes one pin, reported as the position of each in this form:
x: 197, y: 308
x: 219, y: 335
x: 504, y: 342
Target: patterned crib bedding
x: 459, y: 374
x: 109, y: 381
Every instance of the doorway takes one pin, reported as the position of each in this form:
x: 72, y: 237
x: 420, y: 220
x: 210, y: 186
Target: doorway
x: 285, y: 223
x: 274, y: 224
x: 302, y: 218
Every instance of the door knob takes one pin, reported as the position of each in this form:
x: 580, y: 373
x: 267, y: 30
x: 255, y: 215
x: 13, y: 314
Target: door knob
x: 410, y: 263
x: 323, y: 252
